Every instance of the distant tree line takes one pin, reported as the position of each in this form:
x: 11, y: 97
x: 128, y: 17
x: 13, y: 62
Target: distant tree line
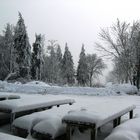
x: 121, y: 42
x: 18, y: 59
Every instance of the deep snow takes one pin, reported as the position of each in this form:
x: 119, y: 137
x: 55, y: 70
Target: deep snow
x: 84, y: 99
x: 43, y: 88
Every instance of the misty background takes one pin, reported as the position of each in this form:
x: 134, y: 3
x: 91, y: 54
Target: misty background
x: 71, y: 21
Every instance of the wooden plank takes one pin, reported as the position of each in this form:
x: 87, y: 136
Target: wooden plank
x: 131, y: 114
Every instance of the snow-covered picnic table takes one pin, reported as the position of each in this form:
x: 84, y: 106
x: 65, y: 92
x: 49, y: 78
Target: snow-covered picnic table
x: 49, y: 120
x: 96, y: 116
x: 31, y: 104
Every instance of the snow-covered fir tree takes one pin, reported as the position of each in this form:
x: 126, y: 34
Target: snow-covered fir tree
x: 22, y: 49
x: 6, y: 49
x: 67, y: 67
x: 59, y: 64
x: 8, y: 38
x: 37, y: 59
x: 52, y: 65
x: 82, y: 69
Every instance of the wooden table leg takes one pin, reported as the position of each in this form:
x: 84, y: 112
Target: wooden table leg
x: 131, y: 114
x: 12, y: 117
x: 119, y: 120
x: 93, y: 134
x: 68, y: 131
x: 115, y: 122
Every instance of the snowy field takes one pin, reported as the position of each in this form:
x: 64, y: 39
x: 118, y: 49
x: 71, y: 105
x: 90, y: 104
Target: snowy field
x: 84, y: 98
x: 43, y: 88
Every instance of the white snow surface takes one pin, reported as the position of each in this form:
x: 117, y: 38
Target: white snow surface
x: 87, y: 100
x: 129, y: 130
x: 43, y: 88
x: 4, y: 136
x: 95, y: 109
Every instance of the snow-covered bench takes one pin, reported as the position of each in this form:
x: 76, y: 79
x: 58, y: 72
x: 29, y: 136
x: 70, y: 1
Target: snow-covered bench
x: 129, y: 130
x: 94, y: 118
x: 24, y: 106
x: 4, y: 136
x: 40, y: 121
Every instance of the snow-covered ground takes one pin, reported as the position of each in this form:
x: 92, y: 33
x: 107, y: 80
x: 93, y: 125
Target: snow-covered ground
x: 43, y: 88
x: 84, y: 100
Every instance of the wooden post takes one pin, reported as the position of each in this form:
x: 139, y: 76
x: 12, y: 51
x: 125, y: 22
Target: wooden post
x: 115, y: 122
x: 131, y: 114
x: 93, y: 134
x: 119, y: 120
x: 12, y: 117
x: 68, y: 132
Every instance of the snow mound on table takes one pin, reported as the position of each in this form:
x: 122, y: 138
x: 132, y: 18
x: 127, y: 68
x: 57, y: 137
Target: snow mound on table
x: 81, y: 116
x: 52, y: 126
x: 129, y: 130
x: 28, y: 121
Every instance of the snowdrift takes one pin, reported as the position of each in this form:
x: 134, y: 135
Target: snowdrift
x: 39, y: 87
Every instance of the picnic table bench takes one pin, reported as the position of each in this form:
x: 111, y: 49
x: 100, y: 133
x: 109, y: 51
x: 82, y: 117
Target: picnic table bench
x: 26, y: 106
x: 95, y: 118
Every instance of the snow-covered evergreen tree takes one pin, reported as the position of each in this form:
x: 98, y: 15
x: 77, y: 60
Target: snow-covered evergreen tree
x: 6, y: 45
x: 59, y: 64
x: 52, y: 65
x: 6, y: 52
x: 68, y: 67
x: 82, y: 69
x: 22, y: 49
x: 37, y: 59
x: 8, y: 38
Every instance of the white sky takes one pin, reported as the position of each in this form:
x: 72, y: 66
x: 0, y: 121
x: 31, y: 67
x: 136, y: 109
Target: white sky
x: 71, y: 21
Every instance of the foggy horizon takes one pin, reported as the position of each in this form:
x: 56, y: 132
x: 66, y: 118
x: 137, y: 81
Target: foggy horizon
x: 74, y: 22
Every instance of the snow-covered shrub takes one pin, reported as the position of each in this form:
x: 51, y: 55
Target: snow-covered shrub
x: 123, y: 88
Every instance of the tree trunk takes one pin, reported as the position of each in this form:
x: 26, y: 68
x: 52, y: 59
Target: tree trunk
x: 138, y: 77
x: 90, y: 80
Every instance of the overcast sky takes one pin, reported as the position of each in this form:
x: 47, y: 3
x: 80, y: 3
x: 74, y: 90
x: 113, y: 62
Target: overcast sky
x: 71, y: 21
